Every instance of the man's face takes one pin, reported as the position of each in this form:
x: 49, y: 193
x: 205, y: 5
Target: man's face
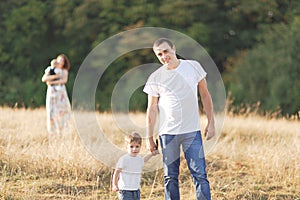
x: 165, y: 53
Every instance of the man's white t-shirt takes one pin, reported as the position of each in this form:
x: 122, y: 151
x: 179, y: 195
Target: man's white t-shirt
x: 130, y: 176
x: 178, y: 98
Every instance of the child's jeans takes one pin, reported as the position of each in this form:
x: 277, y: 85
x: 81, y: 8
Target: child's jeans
x: 129, y: 195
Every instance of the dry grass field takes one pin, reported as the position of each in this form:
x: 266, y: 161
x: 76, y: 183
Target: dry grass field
x: 255, y: 158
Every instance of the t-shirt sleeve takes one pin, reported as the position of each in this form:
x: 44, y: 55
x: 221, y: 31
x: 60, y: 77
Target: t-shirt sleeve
x: 47, y: 70
x: 58, y: 71
x: 199, y: 71
x: 151, y: 87
x: 120, y: 163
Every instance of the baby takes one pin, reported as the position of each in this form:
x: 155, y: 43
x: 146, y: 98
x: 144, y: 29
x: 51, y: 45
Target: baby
x: 53, y: 69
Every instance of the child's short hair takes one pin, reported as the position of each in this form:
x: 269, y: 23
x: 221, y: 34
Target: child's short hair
x: 134, y: 137
x: 53, y: 62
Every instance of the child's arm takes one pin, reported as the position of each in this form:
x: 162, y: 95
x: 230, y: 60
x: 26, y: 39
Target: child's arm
x: 153, y: 153
x: 148, y: 156
x: 115, y: 179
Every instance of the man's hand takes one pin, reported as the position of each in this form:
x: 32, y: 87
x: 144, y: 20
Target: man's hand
x: 153, y: 148
x: 209, y: 131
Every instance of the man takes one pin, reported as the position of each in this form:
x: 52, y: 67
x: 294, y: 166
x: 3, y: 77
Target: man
x: 172, y: 93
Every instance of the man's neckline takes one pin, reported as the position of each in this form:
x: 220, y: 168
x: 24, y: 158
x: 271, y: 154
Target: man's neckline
x: 174, y: 68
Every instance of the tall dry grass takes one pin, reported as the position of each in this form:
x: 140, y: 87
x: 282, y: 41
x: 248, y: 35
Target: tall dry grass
x: 255, y: 158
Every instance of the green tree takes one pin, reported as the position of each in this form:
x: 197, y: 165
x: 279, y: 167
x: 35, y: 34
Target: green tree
x: 32, y: 32
x: 269, y: 73
x: 22, y: 30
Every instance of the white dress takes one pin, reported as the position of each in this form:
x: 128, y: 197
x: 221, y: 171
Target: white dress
x: 57, y: 106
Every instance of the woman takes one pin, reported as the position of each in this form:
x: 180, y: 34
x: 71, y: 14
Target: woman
x: 57, y: 102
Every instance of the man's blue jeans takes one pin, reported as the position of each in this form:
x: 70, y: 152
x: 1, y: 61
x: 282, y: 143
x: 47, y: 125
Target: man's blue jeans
x: 193, y: 151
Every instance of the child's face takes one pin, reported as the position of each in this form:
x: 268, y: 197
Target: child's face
x: 133, y: 148
x: 53, y: 63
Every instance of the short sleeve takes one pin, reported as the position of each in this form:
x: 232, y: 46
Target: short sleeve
x: 151, y: 87
x: 120, y: 163
x: 59, y: 71
x: 47, y: 70
x: 199, y: 71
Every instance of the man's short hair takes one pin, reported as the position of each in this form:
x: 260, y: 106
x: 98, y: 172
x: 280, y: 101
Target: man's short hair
x: 162, y: 40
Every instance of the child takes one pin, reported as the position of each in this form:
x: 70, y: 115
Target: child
x: 53, y: 69
x: 127, y: 175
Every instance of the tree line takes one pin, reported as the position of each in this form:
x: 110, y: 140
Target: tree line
x: 255, y: 45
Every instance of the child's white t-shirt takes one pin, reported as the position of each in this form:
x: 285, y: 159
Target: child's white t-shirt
x: 130, y: 176
x: 178, y: 97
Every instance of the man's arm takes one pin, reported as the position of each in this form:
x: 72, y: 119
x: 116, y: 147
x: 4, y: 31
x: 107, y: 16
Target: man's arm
x: 152, y: 112
x: 208, y: 108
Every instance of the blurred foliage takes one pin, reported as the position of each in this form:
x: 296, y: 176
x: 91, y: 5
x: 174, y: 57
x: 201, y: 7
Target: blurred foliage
x: 269, y: 72
x: 254, y: 43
